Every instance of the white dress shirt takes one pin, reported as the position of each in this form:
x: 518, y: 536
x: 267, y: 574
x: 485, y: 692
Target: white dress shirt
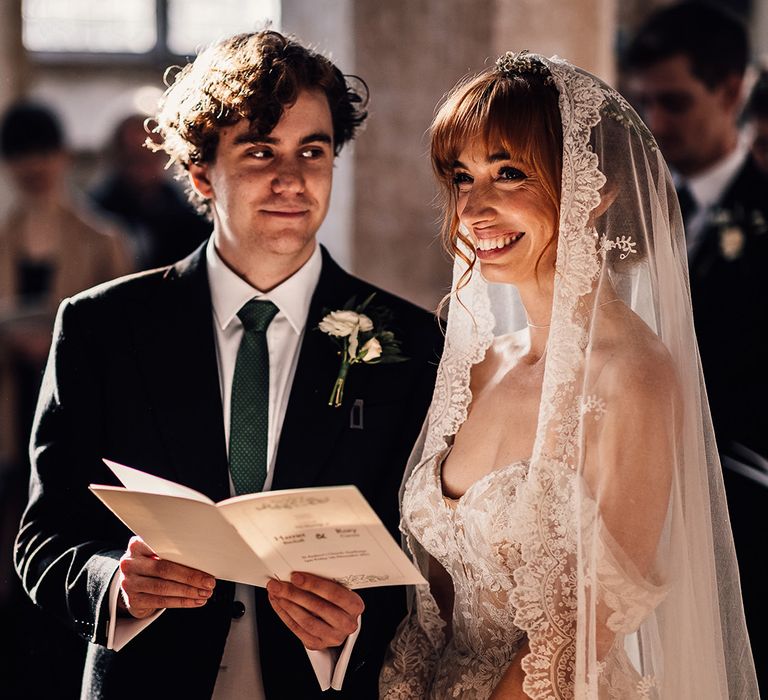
x: 707, y: 189
x: 240, y: 670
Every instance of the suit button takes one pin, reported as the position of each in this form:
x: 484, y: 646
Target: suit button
x: 238, y: 609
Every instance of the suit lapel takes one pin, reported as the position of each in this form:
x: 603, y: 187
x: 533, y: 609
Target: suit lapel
x: 708, y: 255
x: 311, y: 427
x: 176, y: 352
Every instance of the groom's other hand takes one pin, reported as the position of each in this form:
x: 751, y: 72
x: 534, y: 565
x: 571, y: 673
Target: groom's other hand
x: 320, y: 612
x: 148, y: 583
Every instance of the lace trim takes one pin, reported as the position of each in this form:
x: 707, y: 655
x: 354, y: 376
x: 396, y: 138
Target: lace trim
x: 414, y: 652
x: 546, y: 593
x: 625, y: 592
x: 468, y: 337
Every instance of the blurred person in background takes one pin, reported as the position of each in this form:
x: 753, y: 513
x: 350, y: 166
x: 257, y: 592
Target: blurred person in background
x: 756, y: 118
x: 162, y: 226
x: 49, y: 249
x: 685, y: 71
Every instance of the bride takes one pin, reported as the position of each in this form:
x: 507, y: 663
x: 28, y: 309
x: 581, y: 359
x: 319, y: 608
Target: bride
x: 565, y: 501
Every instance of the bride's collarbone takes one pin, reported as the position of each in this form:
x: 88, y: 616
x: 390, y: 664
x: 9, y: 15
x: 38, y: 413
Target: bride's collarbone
x: 510, y: 369
x: 507, y: 394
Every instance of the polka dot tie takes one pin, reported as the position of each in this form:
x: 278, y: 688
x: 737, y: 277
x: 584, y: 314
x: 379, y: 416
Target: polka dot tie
x: 249, y: 414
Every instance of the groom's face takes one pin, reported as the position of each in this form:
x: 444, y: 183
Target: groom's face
x: 270, y: 193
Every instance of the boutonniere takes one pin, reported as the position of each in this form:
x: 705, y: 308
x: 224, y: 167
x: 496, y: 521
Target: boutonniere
x: 361, y: 337
x: 731, y: 242
x: 732, y: 228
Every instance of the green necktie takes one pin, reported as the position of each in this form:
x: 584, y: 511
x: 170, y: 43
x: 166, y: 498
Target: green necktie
x: 249, y: 414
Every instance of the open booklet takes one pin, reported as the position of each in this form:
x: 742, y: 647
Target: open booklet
x: 329, y: 531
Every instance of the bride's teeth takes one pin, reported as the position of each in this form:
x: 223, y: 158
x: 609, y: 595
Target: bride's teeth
x: 497, y: 243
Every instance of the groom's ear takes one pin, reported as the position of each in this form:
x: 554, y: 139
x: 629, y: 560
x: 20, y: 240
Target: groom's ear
x: 198, y: 175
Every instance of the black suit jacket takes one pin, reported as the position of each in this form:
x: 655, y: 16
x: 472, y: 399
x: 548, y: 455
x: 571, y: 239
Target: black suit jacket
x: 730, y: 307
x: 133, y: 376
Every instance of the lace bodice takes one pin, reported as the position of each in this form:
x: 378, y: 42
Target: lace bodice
x: 470, y: 538
x: 476, y: 540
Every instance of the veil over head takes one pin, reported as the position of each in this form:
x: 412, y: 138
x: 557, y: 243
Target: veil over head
x: 628, y: 585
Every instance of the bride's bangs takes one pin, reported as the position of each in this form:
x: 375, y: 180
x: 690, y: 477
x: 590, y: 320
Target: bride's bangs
x: 525, y: 122
x: 461, y: 119
x: 517, y: 115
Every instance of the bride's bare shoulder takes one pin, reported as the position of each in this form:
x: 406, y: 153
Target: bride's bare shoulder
x: 631, y: 360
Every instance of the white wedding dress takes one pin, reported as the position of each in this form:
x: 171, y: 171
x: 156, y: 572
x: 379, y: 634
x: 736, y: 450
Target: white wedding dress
x: 469, y: 538
x: 473, y: 538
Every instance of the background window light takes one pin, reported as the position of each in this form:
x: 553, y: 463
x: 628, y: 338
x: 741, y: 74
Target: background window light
x: 193, y: 24
x: 85, y: 26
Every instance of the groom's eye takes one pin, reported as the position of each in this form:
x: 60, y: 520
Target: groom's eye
x: 259, y: 153
x: 312, y: 153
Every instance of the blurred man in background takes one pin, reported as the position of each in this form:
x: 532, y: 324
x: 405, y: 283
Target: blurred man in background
x: 756, y: 117
x: 685, y: 70
x: 161, y: 225
x: 49, y: 249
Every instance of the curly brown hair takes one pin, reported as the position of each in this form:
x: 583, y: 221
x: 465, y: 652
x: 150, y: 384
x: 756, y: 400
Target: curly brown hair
x: 253, y: 76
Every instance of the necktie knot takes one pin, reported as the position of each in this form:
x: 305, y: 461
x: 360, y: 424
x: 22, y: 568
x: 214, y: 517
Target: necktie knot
x: 688, y: 203
x: 256, y: 315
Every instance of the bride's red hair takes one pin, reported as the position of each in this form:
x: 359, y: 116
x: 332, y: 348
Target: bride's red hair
x: 517, y: 113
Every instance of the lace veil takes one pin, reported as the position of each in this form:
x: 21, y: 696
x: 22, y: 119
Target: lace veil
x: 629, y: 586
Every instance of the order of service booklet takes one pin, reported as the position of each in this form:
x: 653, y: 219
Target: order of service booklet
x: 329, y: 531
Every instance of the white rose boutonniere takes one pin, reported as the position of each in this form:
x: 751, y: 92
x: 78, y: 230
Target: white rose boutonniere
x: 341, y: 324
x: 731, y: 242
x: 360, y: 340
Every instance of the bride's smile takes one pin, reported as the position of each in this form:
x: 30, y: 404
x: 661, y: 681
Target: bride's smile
x: 504, y: 204
x: 487, y: 247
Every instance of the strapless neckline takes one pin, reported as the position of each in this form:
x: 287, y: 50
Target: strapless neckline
x: 453, y: 503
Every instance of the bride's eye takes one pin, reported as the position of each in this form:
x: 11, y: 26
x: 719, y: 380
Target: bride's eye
x: 462, y: 181
x: 510, y: 173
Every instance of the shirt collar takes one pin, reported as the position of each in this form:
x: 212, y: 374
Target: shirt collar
x: 292, y: 297
x: 709, y: 186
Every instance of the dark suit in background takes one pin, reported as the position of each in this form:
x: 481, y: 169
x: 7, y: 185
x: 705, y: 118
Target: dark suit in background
x: 729, y: 290
x: 133, y: 377
x: 159, y: 223
x: 685, y: 69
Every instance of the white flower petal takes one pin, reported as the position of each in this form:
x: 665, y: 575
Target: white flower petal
x: 339, y: 323
x: 365, y: 323
x: 371, y: 350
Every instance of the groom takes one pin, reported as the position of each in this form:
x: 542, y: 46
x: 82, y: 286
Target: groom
x: 212, y: 373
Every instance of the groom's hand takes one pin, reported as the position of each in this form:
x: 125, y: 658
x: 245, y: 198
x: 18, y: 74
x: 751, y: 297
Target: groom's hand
x: 321, y: 613
x: 148, y: 583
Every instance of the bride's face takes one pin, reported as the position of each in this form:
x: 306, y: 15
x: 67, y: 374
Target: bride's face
x: 511, y: 219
